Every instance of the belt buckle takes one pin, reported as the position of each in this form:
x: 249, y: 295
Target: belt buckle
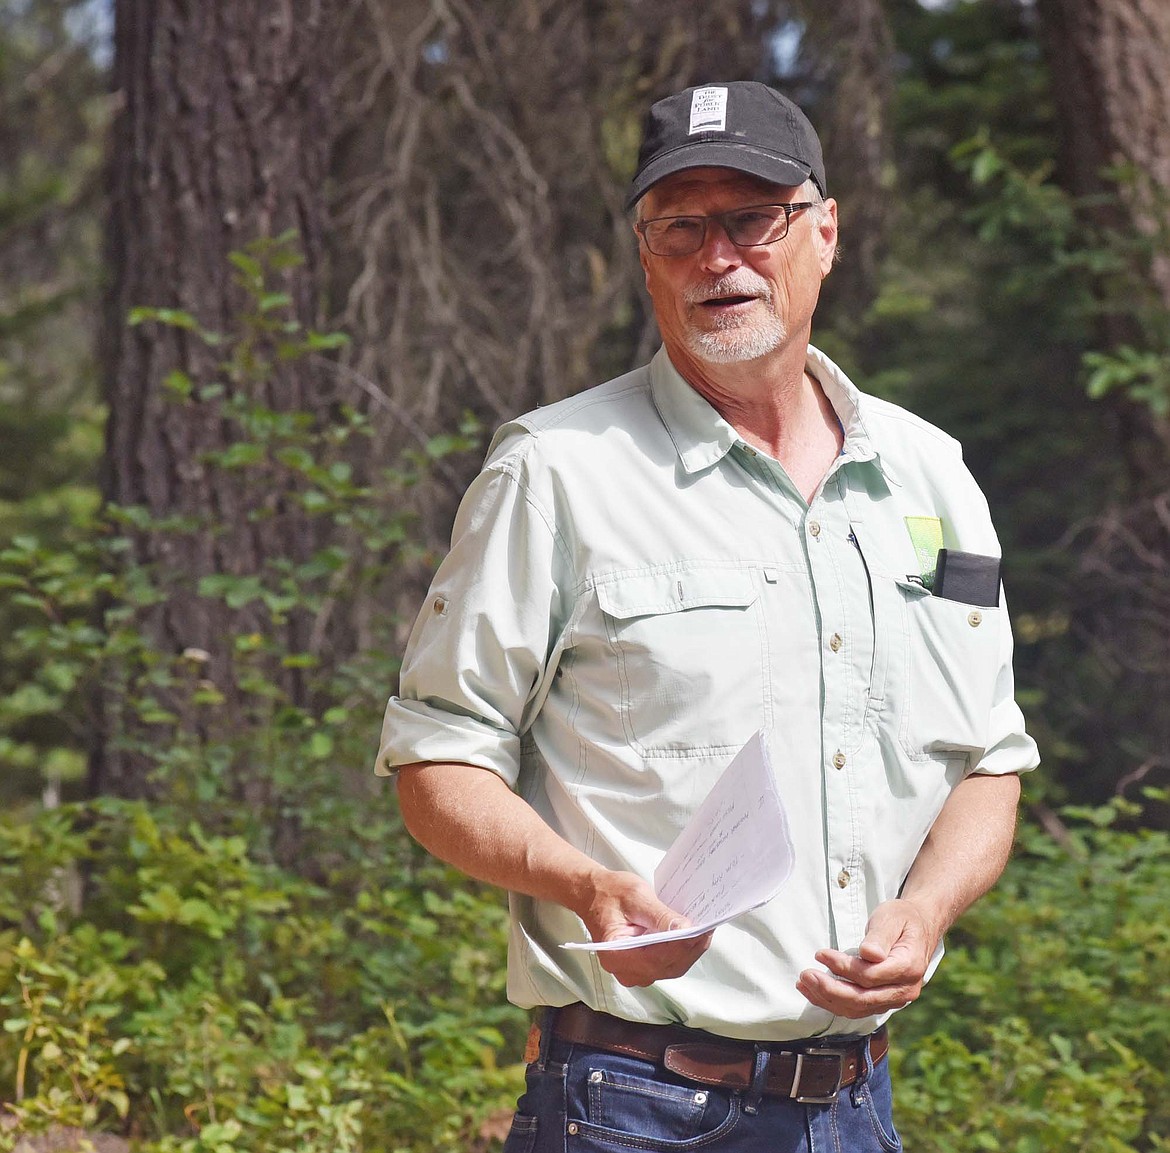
x: 817, y: 1099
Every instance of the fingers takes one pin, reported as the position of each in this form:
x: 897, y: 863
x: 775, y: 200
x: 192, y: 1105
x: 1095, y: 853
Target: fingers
x: 626, y: 906
x: 845, y: 999
x: 639, y: 967
x: 901, y: 966
x: 894, y: 925
x: 887, y: 972
x: 879, y: 939
x: 852, y: 987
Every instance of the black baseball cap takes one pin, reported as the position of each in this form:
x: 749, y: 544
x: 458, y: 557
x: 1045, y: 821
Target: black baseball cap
x: 743, y: 125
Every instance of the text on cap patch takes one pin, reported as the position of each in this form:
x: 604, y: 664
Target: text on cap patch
x: 708, y: 110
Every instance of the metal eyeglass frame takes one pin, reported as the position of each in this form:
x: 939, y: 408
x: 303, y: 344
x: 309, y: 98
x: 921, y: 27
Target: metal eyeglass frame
x: 723, y: 217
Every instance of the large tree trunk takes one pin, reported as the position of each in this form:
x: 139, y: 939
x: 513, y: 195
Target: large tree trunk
x: 1110, y: 60
x: 851, y: 55
x: 1111, y: 64
x: 223, y: 137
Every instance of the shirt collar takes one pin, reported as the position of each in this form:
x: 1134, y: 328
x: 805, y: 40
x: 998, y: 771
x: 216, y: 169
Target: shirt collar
x: 702, y: 437
x: 849, y: 403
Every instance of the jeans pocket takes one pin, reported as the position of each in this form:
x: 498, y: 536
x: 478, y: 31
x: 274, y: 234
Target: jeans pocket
x: 864, y: 1115
x: 522, y: 1136
x: 615, y: 1104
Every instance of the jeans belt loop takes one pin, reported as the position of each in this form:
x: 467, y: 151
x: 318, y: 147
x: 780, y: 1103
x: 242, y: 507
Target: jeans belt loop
x: 755, y: 1090
x: 546, y: 1024
x: 863, y: 1074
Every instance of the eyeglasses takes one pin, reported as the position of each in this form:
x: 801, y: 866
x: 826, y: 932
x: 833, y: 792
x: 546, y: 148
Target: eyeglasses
x: 750, y: 227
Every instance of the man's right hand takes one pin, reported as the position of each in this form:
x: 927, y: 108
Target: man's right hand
x: 622, y: 905
x: 469, y: 817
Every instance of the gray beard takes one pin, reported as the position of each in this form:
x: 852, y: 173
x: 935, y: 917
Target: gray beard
x: 741, y: 343
x: 732, y: 341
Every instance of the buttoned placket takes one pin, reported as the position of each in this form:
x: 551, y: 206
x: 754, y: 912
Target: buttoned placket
x: 839, y: 585
x: 845, y: 625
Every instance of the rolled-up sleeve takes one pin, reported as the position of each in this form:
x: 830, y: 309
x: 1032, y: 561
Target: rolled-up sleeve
x: 480, y: 654
x: 1009, y: 747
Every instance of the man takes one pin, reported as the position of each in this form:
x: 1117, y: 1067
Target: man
x: 731, y: 539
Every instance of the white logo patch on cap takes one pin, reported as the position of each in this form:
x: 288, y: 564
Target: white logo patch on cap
x: 708, y: 110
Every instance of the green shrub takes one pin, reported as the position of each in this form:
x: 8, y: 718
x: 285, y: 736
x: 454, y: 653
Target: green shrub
x: 209, y: 1000
x: 1047, y: 1025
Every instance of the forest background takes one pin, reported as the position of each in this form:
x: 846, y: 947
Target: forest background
x: 269, y: 276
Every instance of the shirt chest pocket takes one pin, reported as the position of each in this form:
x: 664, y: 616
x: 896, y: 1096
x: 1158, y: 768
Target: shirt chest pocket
x: 952, y: 660
x: 688, y: 651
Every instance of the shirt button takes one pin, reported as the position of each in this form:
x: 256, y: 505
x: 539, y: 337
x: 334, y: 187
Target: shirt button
x: 843, y: 878
x: 835, y: 642
x: 839, y: 760
x: 975, y: 619
x: 814, y: 527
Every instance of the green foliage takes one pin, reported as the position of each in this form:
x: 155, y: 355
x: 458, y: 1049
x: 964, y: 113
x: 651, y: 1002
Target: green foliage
x: 50, y: 588
x: 1109, y: 269
x: 53, y: 113
x: 1045, y: 1026
x: 282, y: 1014
x: 63, y: 997
x: 263, y: 716
x: 257, y: 961
x: 1142, y: 374
x: 1020, y: 1091
x: 220, y: 1002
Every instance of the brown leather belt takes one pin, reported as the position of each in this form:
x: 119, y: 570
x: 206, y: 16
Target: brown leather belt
x: 808, y: 1072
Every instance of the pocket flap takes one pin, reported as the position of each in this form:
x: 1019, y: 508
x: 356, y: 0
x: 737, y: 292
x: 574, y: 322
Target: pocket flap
x: 647, y: 594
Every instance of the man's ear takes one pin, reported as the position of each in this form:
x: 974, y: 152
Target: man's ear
x: 827, y: 236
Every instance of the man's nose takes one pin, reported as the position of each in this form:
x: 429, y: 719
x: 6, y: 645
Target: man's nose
x: 718, y: 254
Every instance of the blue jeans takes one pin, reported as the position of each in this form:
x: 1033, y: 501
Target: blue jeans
x: 584, y: 1100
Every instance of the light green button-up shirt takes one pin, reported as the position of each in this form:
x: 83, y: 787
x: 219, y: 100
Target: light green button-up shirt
x: 632, y: 591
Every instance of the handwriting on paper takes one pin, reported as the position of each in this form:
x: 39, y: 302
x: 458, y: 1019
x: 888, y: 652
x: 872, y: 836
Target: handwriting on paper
x: 734, y: 855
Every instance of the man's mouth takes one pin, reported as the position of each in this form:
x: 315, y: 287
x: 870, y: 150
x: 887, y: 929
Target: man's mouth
x: 718, y: 302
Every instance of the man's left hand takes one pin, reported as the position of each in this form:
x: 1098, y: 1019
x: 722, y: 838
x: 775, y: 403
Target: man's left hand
x: 886, y: 974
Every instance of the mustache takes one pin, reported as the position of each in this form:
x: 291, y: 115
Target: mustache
x: 738, y: 283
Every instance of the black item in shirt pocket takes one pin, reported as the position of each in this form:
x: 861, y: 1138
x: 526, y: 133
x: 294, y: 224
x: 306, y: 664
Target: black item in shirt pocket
x: 968, y: 577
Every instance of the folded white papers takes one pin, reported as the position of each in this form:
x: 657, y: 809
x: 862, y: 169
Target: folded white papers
x: 734, y: 855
